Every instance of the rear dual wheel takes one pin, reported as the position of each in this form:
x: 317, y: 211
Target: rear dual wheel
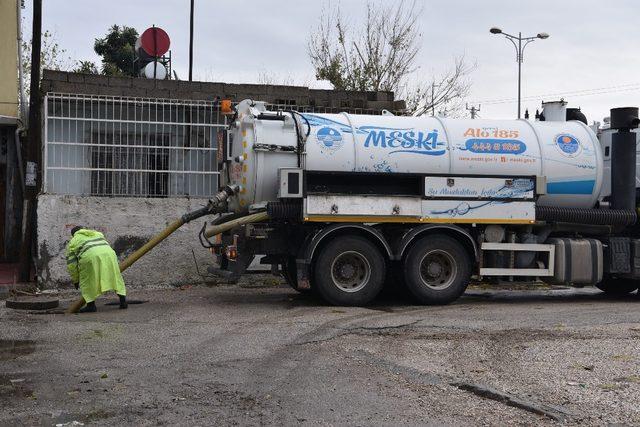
x: 437, y: 269
x: 349, y: 270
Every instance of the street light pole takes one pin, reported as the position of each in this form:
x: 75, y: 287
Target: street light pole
x: 519, y: 70
x: 519, y: 51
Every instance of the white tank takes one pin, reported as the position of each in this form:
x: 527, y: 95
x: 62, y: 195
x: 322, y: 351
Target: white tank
x: 568, y: 154
x: 152, y: 69
x: 555, y: 111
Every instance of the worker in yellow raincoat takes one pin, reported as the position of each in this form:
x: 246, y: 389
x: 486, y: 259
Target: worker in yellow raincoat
x: 93, y: 267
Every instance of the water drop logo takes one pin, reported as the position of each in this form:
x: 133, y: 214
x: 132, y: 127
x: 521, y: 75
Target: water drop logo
x: 329, y: 138
x: 568, y: 145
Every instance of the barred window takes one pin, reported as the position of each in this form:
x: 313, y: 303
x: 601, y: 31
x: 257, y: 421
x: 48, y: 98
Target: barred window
x: 119, y: 146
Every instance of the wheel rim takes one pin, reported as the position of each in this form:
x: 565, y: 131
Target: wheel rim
x: 350, y: 271
x: 438, y: 269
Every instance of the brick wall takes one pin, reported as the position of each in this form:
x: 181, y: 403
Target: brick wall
x: 65, y: 82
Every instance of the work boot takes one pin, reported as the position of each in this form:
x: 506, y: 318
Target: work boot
x: 89, y: 308
x: 123, y: 302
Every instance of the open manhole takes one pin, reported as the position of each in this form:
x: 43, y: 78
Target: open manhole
x: 32, y: 303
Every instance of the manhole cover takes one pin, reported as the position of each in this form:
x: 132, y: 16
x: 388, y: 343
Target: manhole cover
x: 32, y: 303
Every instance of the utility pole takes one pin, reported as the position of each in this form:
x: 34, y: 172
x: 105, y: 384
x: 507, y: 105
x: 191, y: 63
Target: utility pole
x: 32, y: 152
x: 473, y: 110
x: 191, y: 43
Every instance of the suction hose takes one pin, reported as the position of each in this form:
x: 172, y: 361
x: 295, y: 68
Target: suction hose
x: 218, y: 229
x: 213, y: 206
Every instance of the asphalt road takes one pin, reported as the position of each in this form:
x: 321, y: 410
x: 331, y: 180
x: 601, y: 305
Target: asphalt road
x: 263, y: 354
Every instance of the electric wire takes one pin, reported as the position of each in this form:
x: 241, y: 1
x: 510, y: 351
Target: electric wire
x: 576, y: 93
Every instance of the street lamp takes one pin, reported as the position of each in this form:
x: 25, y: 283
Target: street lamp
x: 519, y: 50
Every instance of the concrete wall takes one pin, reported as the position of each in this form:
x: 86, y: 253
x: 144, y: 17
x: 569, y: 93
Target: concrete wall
x: 8, y: 58
x: 127, y: 223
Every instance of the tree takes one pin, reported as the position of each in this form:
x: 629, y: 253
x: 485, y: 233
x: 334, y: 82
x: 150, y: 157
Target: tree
x: 117, y: 51
x: 270, y: 78
x: 86, y: 67
x: 52, y: 57
x: 381, y: 55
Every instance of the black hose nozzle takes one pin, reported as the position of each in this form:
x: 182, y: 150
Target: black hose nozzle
x: 216, y: 205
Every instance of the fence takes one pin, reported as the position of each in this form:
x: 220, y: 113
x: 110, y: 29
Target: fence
x: 130, y: 147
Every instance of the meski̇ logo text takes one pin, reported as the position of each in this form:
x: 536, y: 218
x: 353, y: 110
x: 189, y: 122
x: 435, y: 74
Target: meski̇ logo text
x: 329, y: 138
x: 404, y: 141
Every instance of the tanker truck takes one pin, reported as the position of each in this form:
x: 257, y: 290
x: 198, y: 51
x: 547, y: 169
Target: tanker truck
x: 343, y: 204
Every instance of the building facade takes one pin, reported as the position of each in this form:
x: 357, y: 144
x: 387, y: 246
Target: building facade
x: 10, y: 182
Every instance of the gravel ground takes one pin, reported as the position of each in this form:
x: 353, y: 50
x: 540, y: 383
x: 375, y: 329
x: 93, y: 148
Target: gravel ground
x: 259, y: 353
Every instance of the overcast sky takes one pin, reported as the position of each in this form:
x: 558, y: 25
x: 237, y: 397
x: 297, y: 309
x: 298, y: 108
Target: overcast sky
x: 590, y: 59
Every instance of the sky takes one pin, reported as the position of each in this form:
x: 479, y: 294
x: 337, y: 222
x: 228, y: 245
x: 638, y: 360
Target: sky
x: 589, y: 59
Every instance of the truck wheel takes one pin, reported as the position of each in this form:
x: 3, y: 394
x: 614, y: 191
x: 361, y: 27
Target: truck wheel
x: 618, y: 286
x: 349, y: 270
x: 437, y: 269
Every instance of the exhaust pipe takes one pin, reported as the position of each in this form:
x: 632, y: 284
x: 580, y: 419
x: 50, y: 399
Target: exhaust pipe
x: 623, y: 158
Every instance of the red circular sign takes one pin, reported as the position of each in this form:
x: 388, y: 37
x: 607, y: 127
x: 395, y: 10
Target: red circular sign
x: 155, y: 41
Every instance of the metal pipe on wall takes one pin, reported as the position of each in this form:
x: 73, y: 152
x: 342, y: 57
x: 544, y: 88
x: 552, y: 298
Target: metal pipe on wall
x: 23, y: 109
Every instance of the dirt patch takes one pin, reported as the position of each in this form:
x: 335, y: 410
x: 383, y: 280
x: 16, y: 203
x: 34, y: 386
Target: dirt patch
x: 12, y: 349
x: 14, y: 386
x: 126, y: 245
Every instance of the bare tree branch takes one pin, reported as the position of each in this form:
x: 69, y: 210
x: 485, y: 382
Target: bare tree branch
x: 443, y: 94
x: 381, y: 55
x: 376, y: 59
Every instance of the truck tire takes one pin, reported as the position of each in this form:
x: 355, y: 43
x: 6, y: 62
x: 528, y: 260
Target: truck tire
x: 437, y: 270
x: 618, y: 286
x: 349, y: 270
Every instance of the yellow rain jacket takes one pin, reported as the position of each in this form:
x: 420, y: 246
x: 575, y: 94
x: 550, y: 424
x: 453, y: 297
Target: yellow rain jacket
x: 94, y: 265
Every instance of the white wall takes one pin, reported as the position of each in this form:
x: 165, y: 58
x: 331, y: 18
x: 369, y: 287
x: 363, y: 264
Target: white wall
x: 126, y: 224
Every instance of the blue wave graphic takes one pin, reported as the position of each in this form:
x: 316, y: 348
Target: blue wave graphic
x: 571, y: 187
x: 319, y: 121
x: 365, y: 128
x: 428, y: 153
x: 464, y: 208
x: 574, y: 164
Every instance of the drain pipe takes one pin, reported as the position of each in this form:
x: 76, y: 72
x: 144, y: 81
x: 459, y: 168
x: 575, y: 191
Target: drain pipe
x: 18, y: 148
x: 23, y: 110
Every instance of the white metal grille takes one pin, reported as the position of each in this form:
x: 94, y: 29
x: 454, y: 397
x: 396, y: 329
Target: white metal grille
x: 140, y: 147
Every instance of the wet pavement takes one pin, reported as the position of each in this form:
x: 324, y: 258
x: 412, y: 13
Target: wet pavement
x: 263, y: 354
